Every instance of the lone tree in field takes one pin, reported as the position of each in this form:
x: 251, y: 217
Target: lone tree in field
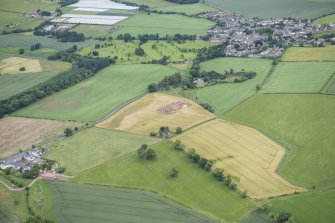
x: 284, y: 217
x: 146, y: 153
x: 174, y: 172
x: 179, y: 130
x: 139, y: 51
x: 152, y: 88
x: 178, y: 145
x: 244, y: 194
x: 68, y: 132
x: 21, y: 51
x: 22, y: 69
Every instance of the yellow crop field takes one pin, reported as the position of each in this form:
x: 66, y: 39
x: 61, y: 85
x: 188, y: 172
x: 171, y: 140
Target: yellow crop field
x: 242, y: 152
x: 154, y: 111
x: 310, y: 54
x: 12, y: 65
x: 21, y: 133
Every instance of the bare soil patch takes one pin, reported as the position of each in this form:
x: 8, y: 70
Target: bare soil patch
x: 172, y: 108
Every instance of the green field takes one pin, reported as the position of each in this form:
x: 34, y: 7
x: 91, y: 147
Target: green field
x: 257, y: 216
x: 10, y: 45
x: 163, y: 25
x: 12, y: 84
x: 18, y: 12
x: 193, y: 187
x: 323, y: 33
x: 310, y: 54
x: 79, y: 203
x: 93, y: 99
x: 94, y: 146
x: 299, y: 77
x: 93, y: 30
x: 12, y: 206
x: 223, y: 97
x: 277, y: 8
x: 326, y: 19
x: 330, y: 86
x: 304, y: 124
x: 188, y: 9
x: 125, y: 52
x: 308, y: 207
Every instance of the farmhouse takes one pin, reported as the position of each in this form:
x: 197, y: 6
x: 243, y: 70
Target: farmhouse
x: 22, y: 161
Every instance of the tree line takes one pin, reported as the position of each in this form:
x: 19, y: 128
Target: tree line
x: 83, y: 68
x: 203, y: 163
x: 127, y: 37
x: 62, y: 36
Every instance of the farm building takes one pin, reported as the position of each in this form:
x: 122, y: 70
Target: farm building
x: 100, y: 5
x: 89, y: 19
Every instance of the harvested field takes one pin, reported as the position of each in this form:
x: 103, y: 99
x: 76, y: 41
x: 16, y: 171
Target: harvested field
x: 12, y: 65
x: 155, y: 110
x: 242, y: 152
x: 20, y: 133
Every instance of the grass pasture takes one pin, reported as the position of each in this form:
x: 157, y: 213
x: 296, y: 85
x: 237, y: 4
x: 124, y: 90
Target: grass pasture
x: 326, y: 20
x: 12, y: 206
x: 94, y: 146
x: 308, y: 207
x: 146, y: 114
x: 299, y: 77
x: 125, y: 52
x: 163, y: 25
x: 18, y: 12
x: 95, y: 98
x: 193, y: 187
x: 323, y: 33
x: 93, y: 30
x: 277, y: 8
x: 257, y: 216
x: 310, y: 54
x: 107, y: 204
x: 11, y: 43
x: 223, y: 97
x: 242, y: 152
x: 188, y: 9
x: 21, y: 133
x: 304, y: 124
x: 330, y: 86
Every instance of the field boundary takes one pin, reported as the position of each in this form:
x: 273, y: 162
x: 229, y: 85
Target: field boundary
x: 279, y: 142
x: 323, y: 90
